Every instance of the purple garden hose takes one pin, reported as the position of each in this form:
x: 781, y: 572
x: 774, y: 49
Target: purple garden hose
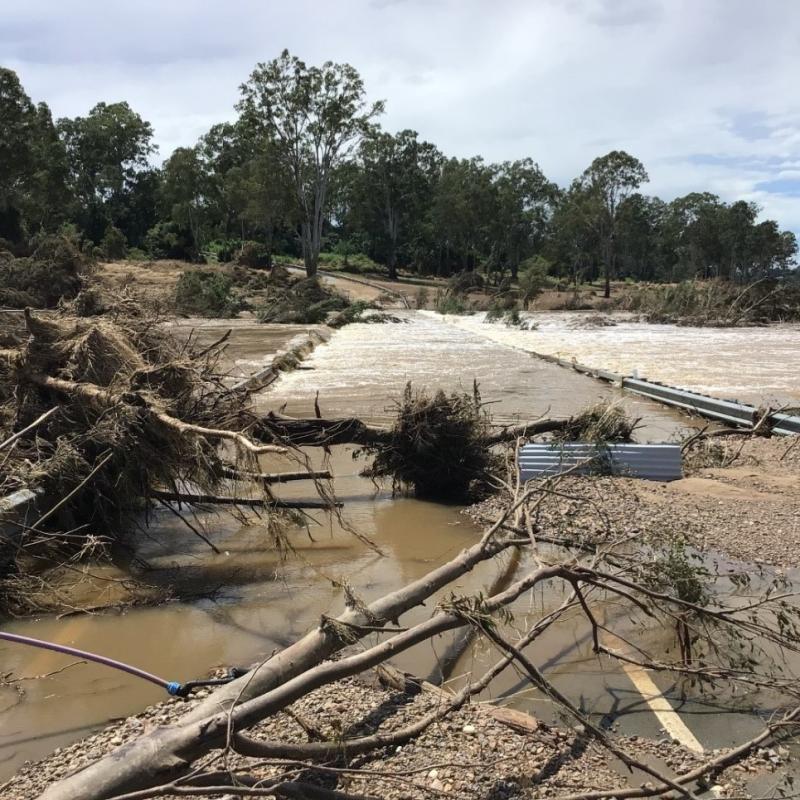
x: 172, y: 687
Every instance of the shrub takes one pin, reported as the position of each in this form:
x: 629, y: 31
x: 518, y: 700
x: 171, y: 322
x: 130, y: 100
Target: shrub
x: 170, y: 240
x: 533, y: 278
x: 114, y: 244
x: 345, y: 259
x: 136, y: 254
x: 208, y: 294
x: 304, y: 302
x: 255, y: 255
x: 465, y: 282
x: 51, y: 273
x: 422, y: 297
x: 446, y: 302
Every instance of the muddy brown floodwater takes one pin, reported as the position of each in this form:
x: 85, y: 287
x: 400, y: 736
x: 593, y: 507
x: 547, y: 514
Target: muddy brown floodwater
x: 261, y: 601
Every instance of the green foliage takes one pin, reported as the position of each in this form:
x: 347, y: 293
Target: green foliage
x: 676, y: 571
x: 33, y: 167
x: 114, y: 245
x: 254, y: 254
x: 136, y: 254
x: 300, y: 302
x: 206, y: 294
x: 353, y: 262
x: 170, y: 240
x: 465, y: 282
x: 53, y: 272
x: 108, y: 155
x: 533, y: 278
x: 378, y: 201
x: 446, y: 302
x: 331, y: 101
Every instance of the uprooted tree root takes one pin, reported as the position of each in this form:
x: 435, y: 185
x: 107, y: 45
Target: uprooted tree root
x: 100, y: 417
x: 436, y: 445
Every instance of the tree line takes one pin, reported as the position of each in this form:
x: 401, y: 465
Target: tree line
x: 306, y: 168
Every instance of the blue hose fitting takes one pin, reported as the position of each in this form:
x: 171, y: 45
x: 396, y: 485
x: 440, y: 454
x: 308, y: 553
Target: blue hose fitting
x: 175, y: 689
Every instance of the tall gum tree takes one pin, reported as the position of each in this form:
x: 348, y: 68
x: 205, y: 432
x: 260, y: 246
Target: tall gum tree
x: 316, y: 116
x: 612, y: 178
x: 108, y: 151
x: 396, y: 182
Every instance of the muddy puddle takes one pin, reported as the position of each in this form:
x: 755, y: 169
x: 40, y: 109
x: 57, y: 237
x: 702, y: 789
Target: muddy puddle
x: 256, y: 601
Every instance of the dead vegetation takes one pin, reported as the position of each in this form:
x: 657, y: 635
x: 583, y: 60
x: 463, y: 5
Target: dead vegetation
x: 55, y: 270
x: 437, y: 444
x: 232, y: 743
x: 103, y: 417
x: 715, y: 303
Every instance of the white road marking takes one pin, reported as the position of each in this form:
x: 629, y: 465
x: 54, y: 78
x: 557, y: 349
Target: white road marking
x: 669, y: 718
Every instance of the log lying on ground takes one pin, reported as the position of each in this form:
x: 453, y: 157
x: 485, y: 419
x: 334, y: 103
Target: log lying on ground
x: 276, y: 477
x: 196, y: 499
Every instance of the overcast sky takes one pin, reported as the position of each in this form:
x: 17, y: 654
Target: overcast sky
x: 705, y: 92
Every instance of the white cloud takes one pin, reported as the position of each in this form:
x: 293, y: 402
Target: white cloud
x: 562, y: 81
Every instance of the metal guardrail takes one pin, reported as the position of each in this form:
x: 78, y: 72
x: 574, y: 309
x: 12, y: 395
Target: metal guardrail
x: 652, y: 462
x: 730, y: 411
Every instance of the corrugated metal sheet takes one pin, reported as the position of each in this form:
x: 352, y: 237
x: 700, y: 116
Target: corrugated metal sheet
x: 653, y: 462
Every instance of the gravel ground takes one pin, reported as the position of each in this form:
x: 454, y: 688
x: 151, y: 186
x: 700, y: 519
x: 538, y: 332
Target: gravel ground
x: 471, y: 754
x: 747, y: 510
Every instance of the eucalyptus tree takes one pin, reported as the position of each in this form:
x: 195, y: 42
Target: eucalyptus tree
x: 395, y: 185
x: 184, y: 192
x: 641, y: 242
x: 573, y: 243
x: 259, y: 193
x: 316, y: 117
x: 108, y: 151
x: 33, y: 192
x: 464, y: 214
x: 525, y: 203
x: 611, y: 179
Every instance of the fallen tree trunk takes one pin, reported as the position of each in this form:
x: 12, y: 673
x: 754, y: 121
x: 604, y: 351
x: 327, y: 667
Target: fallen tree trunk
x: 157, y: 756
x: 132, y: 767
x: 197, y: 499
x: 313, y: 432
x: 276, y: 477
